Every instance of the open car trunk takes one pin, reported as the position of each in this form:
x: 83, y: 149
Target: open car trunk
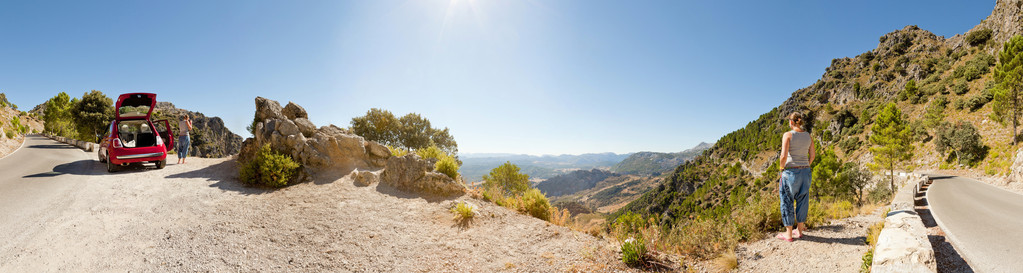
x: 136, y: 133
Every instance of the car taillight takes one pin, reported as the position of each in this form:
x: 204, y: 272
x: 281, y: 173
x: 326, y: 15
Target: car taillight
x: 159, y: 141
x: 117, y: 143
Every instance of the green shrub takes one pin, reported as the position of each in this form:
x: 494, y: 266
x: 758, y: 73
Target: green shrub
x: 448, y: 166
x: 535, y: 203
x: 627, y: 225
x: 269, y: 168
x: 975, y: 38
x: 464, y: 211
x: 879, y: 193
x: 397, y: 152
x: 633, y: 251
x: 975, y: 67
x: 960, y: 87
x: 9, y: 133
x: 431, y: 152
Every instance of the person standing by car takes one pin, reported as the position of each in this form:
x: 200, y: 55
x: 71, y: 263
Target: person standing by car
x: 184, y: 126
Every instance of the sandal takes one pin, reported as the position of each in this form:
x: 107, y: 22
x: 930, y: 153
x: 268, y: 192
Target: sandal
x: 782, y: 237
x: 797, y: 234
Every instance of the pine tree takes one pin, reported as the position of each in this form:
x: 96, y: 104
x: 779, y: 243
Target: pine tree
x: 1009, y: 79
x: 892, y: 139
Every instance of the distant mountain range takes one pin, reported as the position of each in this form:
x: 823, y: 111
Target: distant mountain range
x: 474, y: 166
x: 654, y: 163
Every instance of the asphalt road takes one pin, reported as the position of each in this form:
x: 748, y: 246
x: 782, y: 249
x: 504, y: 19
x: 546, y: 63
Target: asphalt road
x: 36, y: 184
x: 985, y: 223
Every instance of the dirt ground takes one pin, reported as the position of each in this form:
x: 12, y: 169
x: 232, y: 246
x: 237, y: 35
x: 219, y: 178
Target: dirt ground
x: 197, y: 217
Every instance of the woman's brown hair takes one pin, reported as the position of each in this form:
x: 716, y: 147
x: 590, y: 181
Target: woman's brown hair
x: 796, y: 118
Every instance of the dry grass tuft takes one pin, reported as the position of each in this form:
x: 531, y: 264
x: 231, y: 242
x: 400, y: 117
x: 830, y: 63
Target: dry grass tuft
x: 726, y: 262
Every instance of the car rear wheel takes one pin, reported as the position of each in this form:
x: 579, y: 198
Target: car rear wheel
x: 110, y: 166
x: 160, y: 164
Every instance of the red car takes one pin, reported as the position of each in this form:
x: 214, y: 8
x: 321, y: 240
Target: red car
x: 132, y: 137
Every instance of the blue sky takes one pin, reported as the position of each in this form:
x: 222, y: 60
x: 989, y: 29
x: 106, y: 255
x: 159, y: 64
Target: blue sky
x: 532, y: 77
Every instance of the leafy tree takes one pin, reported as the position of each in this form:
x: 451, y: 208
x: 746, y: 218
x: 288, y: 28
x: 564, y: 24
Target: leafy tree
x: 935, y: 112
x: 411, y: 132
x: 892, y: 139
x: 824, y: 173
x: 58, y: 118
x: 1009, y: 80
x: 962, y: 139
x: 377, y: 125
x: 854, y: 177
x: 508, y: 179
x: 415, y: 131
x: 92, y: 114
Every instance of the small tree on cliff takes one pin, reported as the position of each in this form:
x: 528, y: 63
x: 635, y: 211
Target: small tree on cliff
x: 892, y: 139
x: 1009, y: 79
x: 507, y: 178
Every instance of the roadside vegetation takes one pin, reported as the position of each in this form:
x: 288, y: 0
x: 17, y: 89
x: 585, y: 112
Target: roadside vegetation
x: 83, y: 119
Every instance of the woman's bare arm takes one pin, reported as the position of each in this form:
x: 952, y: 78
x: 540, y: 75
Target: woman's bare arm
x: 812, y: 152
x: 784, y: 149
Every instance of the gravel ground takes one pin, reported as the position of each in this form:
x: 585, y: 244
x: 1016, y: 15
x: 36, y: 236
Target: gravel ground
x: 837, y: 247
x: 197, y: 217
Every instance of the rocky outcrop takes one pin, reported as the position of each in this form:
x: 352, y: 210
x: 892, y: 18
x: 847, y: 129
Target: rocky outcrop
x: 326, y: 148
x: 412, y: 174
x: 209, y: 137
x: 334, y: 149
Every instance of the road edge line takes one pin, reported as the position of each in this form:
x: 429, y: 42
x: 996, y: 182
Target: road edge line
x: 952, y: 239
x: 24, y: 139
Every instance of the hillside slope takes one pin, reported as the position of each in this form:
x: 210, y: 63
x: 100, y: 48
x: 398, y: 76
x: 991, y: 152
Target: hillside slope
x: 654, y: 163
x: 209, y: 136
x: 573, y: 182
x: 741, y: 167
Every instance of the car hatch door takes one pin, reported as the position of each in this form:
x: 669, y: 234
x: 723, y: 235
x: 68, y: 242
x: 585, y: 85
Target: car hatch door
x: 163, y: 128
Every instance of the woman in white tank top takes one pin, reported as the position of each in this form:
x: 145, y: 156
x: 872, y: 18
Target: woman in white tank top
x: 797, y: 153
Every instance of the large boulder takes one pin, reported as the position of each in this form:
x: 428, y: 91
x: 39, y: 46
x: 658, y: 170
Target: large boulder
x: 294, y: 111
x: 307, y: 127
x: 365, y: 178
x: 268, y: 109
x: 411, y: 174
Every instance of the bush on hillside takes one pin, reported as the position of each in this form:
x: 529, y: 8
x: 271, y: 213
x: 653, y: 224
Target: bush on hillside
x: 269, y: 168
x: 960, y: 87
x: 978, y: 37
x: 633, y: 251
x: 447, y: 166
x: 9, y: 133
x: 536, y: 204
